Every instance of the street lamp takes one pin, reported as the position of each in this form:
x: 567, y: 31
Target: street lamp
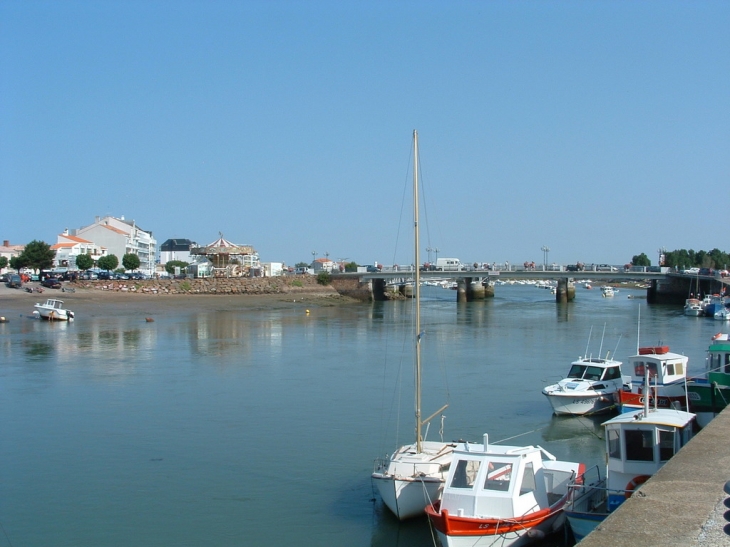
x: 545, y: 251
x: 314, y: 257
x: 436, y: 250
x: 428, y: 250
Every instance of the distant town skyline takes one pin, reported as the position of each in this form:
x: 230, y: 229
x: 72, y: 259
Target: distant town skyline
x: 598, y: 130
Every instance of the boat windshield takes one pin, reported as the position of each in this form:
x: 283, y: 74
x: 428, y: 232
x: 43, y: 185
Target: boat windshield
x: 576, y: 371
x: 465, y: 474
x: 498, y: 477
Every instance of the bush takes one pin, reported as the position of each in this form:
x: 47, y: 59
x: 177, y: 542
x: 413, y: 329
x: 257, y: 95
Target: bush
x: 297, y: 283
x: 324, y: 278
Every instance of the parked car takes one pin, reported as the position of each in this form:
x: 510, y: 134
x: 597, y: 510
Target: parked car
x: 691, y: 271
x: 14, y: 281
x: 105, y: 275
x: 51, y: 283
x: 606, y: 268
x: 4, y: 278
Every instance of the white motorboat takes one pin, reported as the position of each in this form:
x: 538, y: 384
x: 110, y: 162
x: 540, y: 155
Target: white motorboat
x: 413, y: 476
x: 53, y: 310
x: 591, y: 387
x: 607, y: 292
x: 502, y: 495
x: 638, y: 444
x: 693, y: 307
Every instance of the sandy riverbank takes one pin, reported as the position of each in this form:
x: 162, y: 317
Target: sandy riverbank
x: 14, y: 302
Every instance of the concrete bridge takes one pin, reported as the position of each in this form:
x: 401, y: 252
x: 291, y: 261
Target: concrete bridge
x: 664, y: 287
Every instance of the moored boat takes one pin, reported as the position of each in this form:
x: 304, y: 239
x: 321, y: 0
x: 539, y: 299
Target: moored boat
x: 693, y: 307
x: 607, y: 291
x: 591, y: 387
x: 502, y: 495
x: 53, y: 310
x: 709, y: 394
x: 638, y: 444
x: 667, y: 374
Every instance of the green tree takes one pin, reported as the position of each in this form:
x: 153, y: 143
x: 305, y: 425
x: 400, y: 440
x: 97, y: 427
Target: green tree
x: 324, y: 278
x: 17, y: 262
x: 84, y: 262
x: 130, y: 261
x: 351, y: 267
x: 3, y: 261
x: 38, y: 255
x: 108, y: 262
x: 302, y: 265
x: 641, y: 260
x: 172, y: 264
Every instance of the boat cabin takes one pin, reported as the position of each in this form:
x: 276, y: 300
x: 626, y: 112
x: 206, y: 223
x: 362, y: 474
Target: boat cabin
x: 55, y: 304
x: 662, y: 366
x: 501, y: 481
x: 595, y: 369
x: 638, y: 444
x: 718, y: 356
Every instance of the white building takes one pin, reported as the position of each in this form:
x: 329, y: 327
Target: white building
x: 176, y: 249
x: 68, y: 247
x: 119, y: 237
x: 10, y: 251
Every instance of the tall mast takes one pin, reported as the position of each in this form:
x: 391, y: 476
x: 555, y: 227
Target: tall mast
x: 417, y: 291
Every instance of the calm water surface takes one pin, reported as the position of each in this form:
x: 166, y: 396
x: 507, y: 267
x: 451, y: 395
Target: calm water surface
x: 260, y: 427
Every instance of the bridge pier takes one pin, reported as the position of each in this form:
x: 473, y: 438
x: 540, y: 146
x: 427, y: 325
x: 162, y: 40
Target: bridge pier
x: 469, y: 289
x: 565, y: 291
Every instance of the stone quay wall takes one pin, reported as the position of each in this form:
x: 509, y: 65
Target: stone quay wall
x: 211, y: 285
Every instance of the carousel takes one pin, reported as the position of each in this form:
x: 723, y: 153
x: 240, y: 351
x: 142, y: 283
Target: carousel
x: 228, y: 259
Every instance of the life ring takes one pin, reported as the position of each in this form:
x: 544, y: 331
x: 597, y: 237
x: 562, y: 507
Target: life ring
x: 634, y: 484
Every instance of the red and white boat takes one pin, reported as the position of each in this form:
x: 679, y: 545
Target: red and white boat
x: 667, y: 380
x: 502, y: 495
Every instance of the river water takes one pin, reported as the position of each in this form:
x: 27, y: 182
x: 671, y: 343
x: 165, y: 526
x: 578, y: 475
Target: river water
x: 260, y: 427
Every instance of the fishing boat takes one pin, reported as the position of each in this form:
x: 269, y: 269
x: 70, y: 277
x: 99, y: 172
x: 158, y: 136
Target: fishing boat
x: 710, y: 393
x: 502, y: 495
x: 53, y: 310
x: 414, y: 475
x: 638, y: 444
x: 591, y: 387
x: 607, y: 291
x: 656, y: 373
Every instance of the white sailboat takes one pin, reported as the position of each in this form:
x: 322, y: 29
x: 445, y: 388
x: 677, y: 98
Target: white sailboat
x: 414, y: 475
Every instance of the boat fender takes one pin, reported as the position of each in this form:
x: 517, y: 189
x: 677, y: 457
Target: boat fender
x: 634, y: 484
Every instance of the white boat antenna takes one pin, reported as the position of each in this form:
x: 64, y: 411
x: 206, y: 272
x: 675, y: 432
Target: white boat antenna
x: 600, y: 348
x: 589, y: 341
x: 617, y: 343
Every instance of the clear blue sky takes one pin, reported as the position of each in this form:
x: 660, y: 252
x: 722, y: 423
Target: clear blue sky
x: 599, y: 129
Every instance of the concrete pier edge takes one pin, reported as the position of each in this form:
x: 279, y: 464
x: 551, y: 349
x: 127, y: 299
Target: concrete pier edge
x: 683, y: 504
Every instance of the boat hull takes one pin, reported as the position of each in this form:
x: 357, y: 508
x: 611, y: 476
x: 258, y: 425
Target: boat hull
x: 582, y: 524
x: 407, y: 498
x: 635, y: 401
x: 455, y: 531
x: 580, y: 405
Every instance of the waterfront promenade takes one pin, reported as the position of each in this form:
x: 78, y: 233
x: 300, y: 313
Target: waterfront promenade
x: 683, y: 504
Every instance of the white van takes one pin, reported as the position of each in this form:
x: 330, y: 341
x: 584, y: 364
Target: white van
x: 448, y: 264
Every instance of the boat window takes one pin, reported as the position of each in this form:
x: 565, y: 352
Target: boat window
x: 639, y: 368
x: 528, y: 480
x: 666, y: 444
x: 465, y: 474
x: 669, y: 370
x: 652, y: 369
x: 679, y: 368
x: 639, y: 445
x: 498, y: 476
x: 614, y: 444
x: 612, y: 373
x: 576, y: 371
x: 593, y: 373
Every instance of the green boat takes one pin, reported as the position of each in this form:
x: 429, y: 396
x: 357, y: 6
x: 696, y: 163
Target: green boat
x: 709, y: 394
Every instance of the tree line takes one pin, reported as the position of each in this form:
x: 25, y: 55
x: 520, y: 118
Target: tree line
x: 682, y: 259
